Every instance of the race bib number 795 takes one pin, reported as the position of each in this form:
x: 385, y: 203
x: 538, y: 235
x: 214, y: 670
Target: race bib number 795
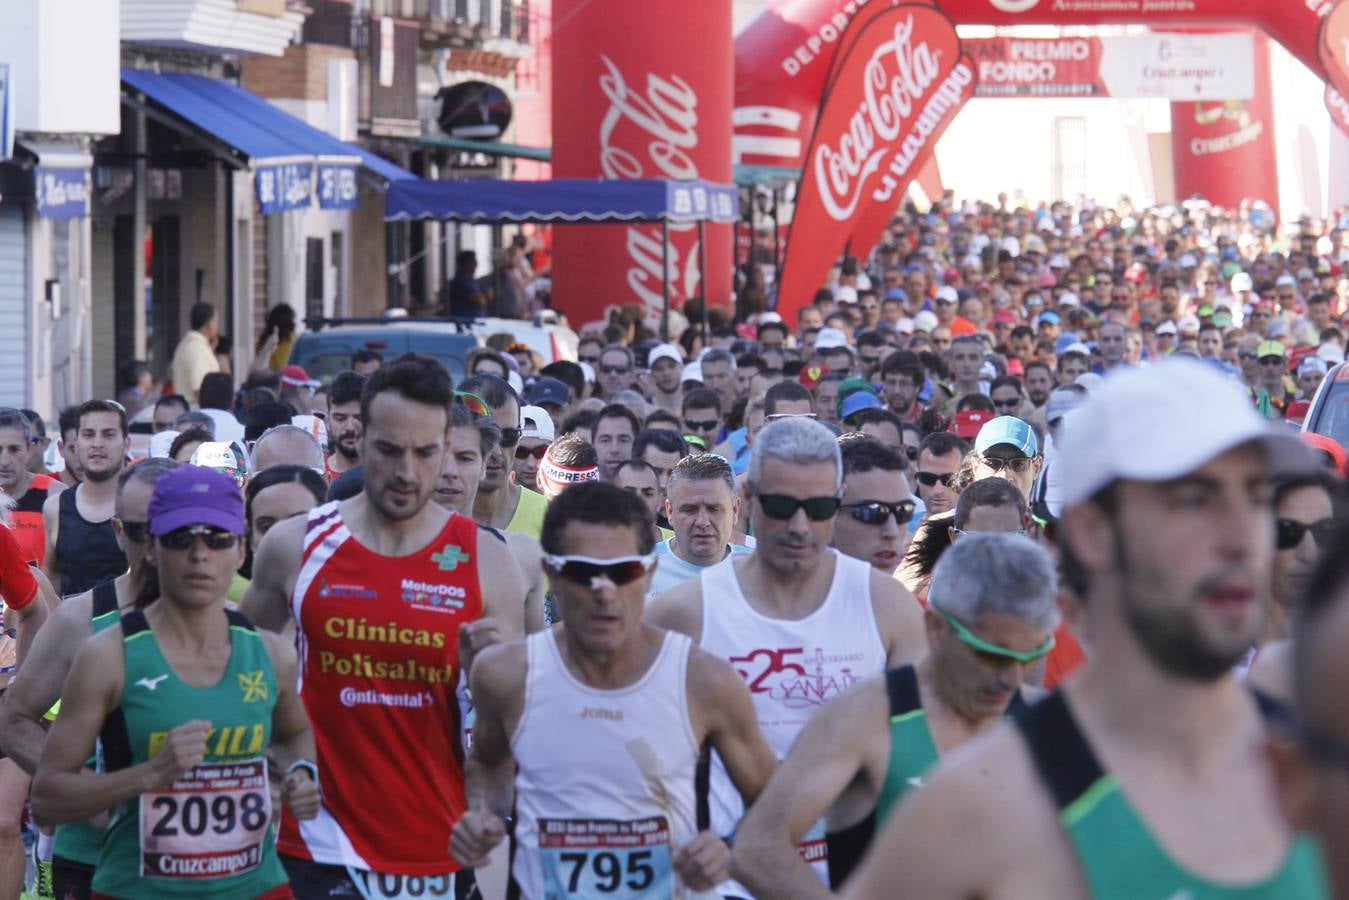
x: 605, y: 859
x: 210, y: 823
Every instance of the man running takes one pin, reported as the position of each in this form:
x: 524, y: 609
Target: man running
x: 990, y: 614
x: 82, y: 547
x: 877, y: 504
x: 590, y: 733
x: 384, y: 588
x: 799, y: 621
x: 702, y: 506
x: 37, y: 686
x: 344, y: 423
x: 28, y: 491
x: 502, y: 503
x: 188, y: 698
x: 1143, y: 777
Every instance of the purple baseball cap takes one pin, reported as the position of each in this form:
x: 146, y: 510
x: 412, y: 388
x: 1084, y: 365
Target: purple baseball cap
x: 192, y: 495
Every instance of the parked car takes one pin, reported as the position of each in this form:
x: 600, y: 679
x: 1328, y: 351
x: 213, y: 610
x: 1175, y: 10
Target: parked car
x: 328, y: 347
x: 1329, y: 413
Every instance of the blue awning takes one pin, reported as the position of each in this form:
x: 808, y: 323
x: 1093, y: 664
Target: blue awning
x: 563, y: 200
x: 292, y: 161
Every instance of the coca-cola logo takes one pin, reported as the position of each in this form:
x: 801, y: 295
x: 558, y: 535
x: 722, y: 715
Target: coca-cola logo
x: 896, y: 82
x: 1338, y: 108
x: 663, y: 133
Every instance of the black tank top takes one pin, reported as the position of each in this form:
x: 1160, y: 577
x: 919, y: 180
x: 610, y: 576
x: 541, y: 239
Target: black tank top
x: 87, y: 552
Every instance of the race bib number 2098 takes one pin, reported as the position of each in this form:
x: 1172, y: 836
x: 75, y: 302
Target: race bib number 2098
x: 210, y: 823
x: 604, y: 859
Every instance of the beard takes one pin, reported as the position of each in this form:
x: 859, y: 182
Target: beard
x: 1171, y: 635
x: 350, y: 452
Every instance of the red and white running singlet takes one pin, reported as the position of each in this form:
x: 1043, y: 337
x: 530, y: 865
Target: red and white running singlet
x: 378, y: 641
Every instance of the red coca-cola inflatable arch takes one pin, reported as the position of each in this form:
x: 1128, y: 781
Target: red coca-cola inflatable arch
x: 648, y: 90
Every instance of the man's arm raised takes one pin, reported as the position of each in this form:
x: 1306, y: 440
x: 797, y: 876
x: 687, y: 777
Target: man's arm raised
x: 276, y: 565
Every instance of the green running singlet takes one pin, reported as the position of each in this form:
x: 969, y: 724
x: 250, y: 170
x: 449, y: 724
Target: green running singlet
x: 209, y: 833
x: 79, y: 841
x: 912, y: 753
x: 1119, y: 856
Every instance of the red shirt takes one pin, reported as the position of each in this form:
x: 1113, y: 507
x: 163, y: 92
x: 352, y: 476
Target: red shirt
x: 18, y: 587
x: 26, y: 518
x: 378, y: 639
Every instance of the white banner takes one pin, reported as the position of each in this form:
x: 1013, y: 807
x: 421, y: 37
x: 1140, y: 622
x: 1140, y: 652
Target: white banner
x: 1179, y: 67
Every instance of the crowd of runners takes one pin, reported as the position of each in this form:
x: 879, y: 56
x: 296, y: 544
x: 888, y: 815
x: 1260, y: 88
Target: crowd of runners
x: 999, y: 570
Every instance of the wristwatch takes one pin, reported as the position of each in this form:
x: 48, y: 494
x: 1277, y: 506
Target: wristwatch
x: 305, y: 765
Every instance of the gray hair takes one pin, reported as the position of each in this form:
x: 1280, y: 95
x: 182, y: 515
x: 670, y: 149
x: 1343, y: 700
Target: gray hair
x: 633, y: 400
x: 194, y: 419
x: 703, y: 467
x: 796, y: 440
x: 718, y: 355
x: 146, y: 471
x: 620, y: 348
x: 996, y: 573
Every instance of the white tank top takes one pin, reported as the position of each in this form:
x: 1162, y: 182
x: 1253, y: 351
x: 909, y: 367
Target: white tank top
x: 605, y: 781
x: 792, y: 668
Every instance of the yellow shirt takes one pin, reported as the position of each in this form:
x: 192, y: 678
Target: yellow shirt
x: 528, y: 518
x: 193, y: 360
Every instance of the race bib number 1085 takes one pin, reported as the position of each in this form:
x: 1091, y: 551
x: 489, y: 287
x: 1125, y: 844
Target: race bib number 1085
x: 603, y: 859
x: 211, y: 823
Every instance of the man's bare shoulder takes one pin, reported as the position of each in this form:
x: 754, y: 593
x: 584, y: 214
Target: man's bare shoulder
x: 678, y: 609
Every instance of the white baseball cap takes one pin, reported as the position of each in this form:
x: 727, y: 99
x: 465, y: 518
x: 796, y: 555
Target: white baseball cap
x: 663, y: 351
x: 1059, y: 261
x: 1162, y: 422
x: 160, y: 442
x: 588, y: 371
x: 925, y: 320
x: 1331, y: 353
x: 1286, y: 281
x: 1242, y: 283
x: 845, y: 293
x: 904, y: 325
x: 1167, y: 327
x: 948, y: 294
x: 693, y: 372
x: 1068, y: 298
x: 829, y: 338
x: 1312, y: 363
x: 1189, y: 323
x: 536, y: 423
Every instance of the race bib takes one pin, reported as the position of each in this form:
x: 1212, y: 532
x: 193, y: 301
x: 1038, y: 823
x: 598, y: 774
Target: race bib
x: 602, y: 859
x: 383, y: 886
x: 210, y: 823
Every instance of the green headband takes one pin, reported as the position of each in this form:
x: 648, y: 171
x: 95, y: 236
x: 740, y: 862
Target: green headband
x: 973, y: 640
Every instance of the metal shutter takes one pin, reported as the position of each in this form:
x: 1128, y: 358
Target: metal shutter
x: 13, y: 307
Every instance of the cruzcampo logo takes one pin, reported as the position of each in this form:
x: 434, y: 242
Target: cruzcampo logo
x: 254, y: 686
x: 449, y: 557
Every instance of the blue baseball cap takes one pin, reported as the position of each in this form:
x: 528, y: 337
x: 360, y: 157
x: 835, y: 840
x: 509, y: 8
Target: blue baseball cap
x: 1049, y: 316
x: 193, y: 495
x: 1066, y: 340
x: 547, y: 390
x: 1007, y: 430
x: 856, y: 402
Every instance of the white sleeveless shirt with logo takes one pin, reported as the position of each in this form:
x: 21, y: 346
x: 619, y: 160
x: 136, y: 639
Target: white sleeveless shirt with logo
x: 792, y: 668
x: 605, y: 782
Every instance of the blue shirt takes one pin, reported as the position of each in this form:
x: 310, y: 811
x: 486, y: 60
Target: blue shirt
x: 671, y: 571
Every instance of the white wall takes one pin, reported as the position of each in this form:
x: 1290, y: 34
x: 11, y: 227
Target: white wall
x: 63, y: 55
x: 1312, y: 154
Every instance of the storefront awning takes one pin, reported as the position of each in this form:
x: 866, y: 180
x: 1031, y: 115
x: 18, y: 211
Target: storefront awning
x: 291, y: 160
x: 563, y: 200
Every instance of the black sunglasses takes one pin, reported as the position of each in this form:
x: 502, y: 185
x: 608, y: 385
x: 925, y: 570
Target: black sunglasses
x: 1290, y: 532
x: 589, y: 360
x: 930, y: 479
x: 876, y: 512
x: 701, y: 424
x: 780, y: 506
x: 510, y: 437
x: 136, y: 532
x: 585, y: 569
x: 214, y: 538
x: 615, y: 370
x: 1018, y: 465
x: 1011, y: 403
x: 525, y: 453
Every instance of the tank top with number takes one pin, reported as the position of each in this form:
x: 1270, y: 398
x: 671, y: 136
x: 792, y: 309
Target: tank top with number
x: 79, y: 841
x: 378, y: 639
x: 792, y: 668
x: 605, y: 780
x: 209, y: 833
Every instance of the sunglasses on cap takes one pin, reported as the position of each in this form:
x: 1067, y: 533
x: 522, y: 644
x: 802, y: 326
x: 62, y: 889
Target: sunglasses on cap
x: 996, y: 654
x: 525, y: 453
x: 1018, y: 464
x: 1288, y: 533
x: 136, y: 532
x: 214, y: 538
x: 701, y: 424
x: 783, y: 507
x: 473, y: 403
x: 930, y: 479
x: 584, y: 569
x: 877, y: 512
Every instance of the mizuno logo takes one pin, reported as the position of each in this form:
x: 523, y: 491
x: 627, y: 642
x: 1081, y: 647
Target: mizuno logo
x: 914, y: 782
x: 151, y: 683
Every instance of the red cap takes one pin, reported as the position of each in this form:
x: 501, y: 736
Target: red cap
x: 1004, y: 316
x: 811, y: 376
x: 961, y: 326
x: 950, y: 275
x: 968, y: 423
x: 1338, y: 458
x: 1014, y: 367
x: 297, y: 377
x: 1136, y: 273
